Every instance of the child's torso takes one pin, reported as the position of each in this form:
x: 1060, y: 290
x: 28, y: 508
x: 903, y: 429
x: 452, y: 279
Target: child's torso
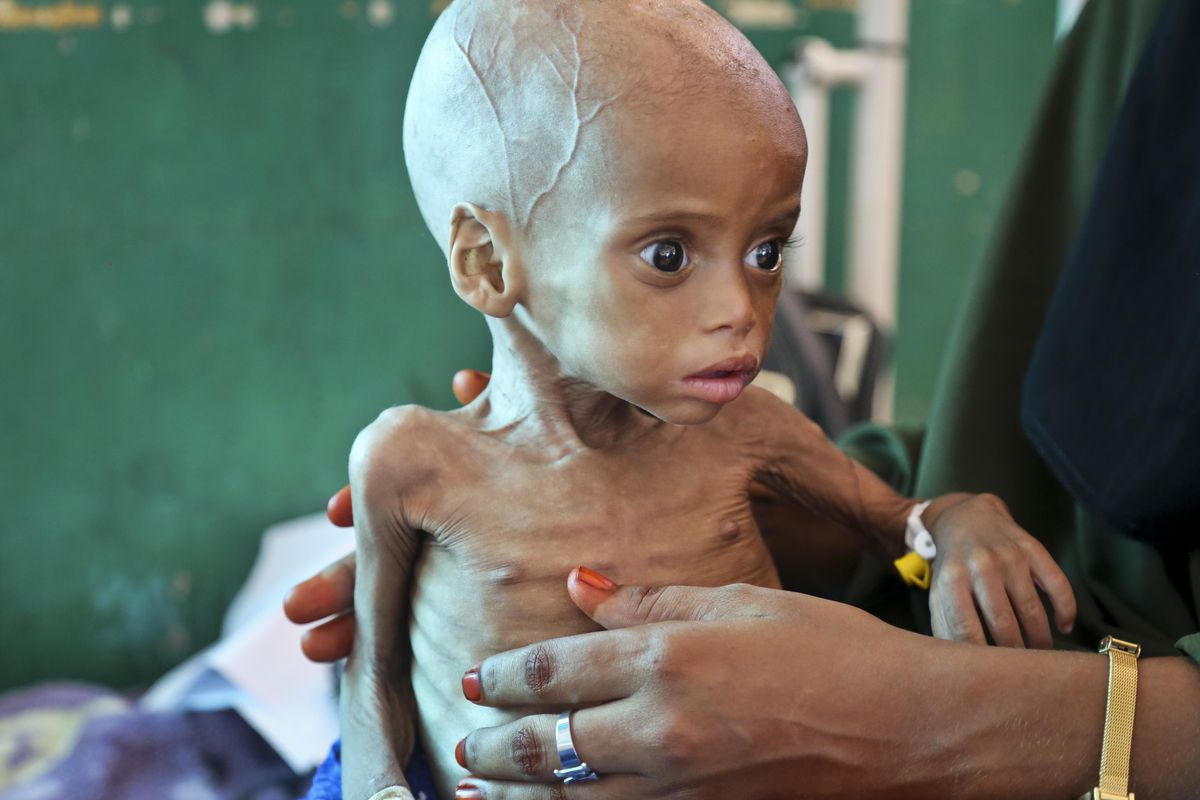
x: 491, y: 573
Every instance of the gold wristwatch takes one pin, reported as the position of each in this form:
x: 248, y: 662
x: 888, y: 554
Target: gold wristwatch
x: 1118, y: 719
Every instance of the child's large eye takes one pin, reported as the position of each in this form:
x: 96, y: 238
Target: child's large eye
x: 666, y: 256
x: 767, y: 256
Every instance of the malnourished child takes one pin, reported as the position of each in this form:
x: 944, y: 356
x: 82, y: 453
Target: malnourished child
x: 613, y: 183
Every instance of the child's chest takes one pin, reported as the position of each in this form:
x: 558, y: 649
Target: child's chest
x: 674, y: 514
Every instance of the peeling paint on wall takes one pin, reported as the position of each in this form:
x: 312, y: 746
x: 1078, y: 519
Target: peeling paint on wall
x: 15, y: 16
x: 763, y: 13
x: 144, y: 614
x: 380, y: 13
x: 222, y: 16
x: 219, y: 17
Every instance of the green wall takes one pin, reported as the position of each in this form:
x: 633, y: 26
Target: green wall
x: 212, y: 274
x: 977, y: 68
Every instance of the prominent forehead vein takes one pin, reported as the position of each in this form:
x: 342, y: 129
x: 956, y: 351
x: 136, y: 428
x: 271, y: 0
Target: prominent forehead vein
x: 578, y: 121
x: 465, y: 49
x: 564, y: 103
x: 522, y: 106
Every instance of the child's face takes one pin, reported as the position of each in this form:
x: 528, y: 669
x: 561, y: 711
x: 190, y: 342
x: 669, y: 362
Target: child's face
x: 659, y: 280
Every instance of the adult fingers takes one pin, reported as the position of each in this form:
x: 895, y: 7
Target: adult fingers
x: 598, y: 667
x: 340, y: 508
x: 561, y: 673
x: 1031, y: 614
x: 1053, y: 581
x: 468, y: 384
x: 609, y: 786
x: 526, y: 749
x: 330, y: 641
x: 615, y: 606
x: 952, y: 608
x: 996, y: 608
x: 329, y: 592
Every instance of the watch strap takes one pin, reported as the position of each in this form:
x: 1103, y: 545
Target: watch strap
x: 1118, y: 719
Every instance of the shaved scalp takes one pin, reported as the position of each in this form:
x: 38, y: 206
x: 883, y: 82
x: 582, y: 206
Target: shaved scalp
x: 510, y: 97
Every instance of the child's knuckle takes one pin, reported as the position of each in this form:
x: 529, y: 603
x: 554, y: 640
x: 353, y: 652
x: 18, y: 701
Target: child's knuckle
x: 983, y: 562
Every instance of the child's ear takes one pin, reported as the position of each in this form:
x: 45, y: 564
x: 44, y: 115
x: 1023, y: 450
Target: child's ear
x: 484, y: 267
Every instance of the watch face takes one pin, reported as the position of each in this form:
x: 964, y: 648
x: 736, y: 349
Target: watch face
x: 1121, y: 646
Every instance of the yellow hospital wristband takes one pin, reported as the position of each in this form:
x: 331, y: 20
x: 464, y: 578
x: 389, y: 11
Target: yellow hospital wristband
x: 915, y: 570
x: 914, y: 566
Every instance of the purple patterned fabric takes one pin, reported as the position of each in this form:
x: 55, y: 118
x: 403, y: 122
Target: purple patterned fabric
x: 87, y: 743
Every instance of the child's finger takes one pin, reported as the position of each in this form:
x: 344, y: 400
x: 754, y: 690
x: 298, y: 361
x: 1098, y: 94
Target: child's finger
x: 952, y: 609
x: 1031, y: 614
x: 1053, y: 581
x: 997, y: 609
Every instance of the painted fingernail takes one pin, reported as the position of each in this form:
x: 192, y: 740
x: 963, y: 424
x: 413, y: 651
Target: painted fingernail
x: 472, y: 686
x: 460, y: 753
x: 596, y: 580
x: 468, y: 791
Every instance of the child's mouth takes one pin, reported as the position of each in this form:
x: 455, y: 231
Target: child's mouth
x: 723, y: 382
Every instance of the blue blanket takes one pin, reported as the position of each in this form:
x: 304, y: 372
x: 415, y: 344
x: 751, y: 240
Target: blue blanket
x: 327, y: 783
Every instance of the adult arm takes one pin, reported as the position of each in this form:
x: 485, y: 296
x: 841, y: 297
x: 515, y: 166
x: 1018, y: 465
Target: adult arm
x: 751, y: 692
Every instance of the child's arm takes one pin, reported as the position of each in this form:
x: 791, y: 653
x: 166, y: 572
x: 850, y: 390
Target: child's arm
x: 987, y: 566
x: 377, y: 706
x: 798, y: 462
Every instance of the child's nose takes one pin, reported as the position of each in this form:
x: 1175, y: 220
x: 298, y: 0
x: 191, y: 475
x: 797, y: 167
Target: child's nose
x: 731, y: 306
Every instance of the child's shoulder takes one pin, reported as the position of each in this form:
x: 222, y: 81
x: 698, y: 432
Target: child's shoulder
x: 407, y: 420
x: 413, y: 444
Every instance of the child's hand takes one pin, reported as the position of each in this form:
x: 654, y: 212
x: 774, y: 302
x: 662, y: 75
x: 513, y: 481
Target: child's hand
x: 988, y: 566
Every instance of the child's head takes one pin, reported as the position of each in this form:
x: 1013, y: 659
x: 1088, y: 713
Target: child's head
x: 617, y: 179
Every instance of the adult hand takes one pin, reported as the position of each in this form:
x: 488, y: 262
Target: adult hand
x: 988, y: 567
x: 329, y: 595
x: 747, y: 692
x: 743, y: 692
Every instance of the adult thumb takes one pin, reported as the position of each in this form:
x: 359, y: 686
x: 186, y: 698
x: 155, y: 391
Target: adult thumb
x: 616, y: 606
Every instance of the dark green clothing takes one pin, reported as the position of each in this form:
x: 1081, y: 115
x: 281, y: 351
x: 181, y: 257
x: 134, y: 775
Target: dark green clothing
x: 1119, y: 351
x: 974, y: 441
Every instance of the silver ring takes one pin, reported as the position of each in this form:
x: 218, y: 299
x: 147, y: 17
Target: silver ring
x: 574, y: 769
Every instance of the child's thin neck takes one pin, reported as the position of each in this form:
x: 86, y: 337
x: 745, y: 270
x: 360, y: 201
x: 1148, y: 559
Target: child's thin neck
x: 531, y: 390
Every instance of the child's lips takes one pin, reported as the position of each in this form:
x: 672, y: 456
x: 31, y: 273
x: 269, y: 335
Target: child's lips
x: 724, y: 381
